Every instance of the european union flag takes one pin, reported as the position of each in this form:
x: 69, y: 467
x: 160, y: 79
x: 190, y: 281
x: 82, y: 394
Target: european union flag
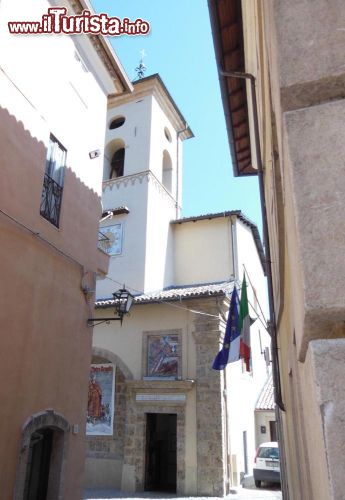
x: 231, y: 345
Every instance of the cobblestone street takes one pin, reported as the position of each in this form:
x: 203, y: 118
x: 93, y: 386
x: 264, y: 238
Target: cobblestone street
x: 271, y: 493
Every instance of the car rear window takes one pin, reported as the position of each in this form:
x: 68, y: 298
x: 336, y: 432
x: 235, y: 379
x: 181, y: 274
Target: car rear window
x: 268, y: 453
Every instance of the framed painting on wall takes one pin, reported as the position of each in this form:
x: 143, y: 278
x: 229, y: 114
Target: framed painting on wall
x: 163, y: 356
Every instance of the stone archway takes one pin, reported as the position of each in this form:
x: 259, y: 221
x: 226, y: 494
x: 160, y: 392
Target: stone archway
x: 113, y: 358
x: 104, y: 453
x: 58, y: 428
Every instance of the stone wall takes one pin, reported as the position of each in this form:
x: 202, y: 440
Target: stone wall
x: 133, y: 476
x: 210, y: 414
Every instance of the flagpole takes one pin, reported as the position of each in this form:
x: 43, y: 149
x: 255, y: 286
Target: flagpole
x: 254, y: 291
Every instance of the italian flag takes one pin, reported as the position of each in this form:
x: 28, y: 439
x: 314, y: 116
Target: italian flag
x: 244, y: 326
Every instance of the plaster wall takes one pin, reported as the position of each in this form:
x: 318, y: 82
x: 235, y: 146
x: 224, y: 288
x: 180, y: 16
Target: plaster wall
x: 73, y: 92
x: 129, y: 266
x: 248, y: 258
x: 159, y: 144
x: 203, y: 251
x: 135, y: 133
x: 241, y: 411
x: 263, y: 418
x: 45, y: 354
x: 159, y: 264
x: 200, y: 339
x: 293, y: 49
x: 127, y: 340
x: 148, y: 266
x: 34, y: 114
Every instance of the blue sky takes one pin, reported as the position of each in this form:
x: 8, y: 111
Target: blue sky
x: 180, y: 48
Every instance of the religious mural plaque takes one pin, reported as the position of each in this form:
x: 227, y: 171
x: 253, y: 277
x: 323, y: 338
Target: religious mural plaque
x: 163, y: 356
x: 100, y: 406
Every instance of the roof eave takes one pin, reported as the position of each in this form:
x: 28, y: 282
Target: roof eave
x: 122, y: 83
x: 226, y: 94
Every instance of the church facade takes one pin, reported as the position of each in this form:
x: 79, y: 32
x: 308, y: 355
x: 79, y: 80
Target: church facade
x: 161, y: 418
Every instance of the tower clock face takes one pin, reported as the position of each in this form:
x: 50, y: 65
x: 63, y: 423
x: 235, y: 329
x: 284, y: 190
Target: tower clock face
x: 111, y: 239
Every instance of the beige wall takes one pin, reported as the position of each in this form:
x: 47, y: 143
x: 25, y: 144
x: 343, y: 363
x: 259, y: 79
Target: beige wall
x: 203, y: 251
x: 263, y: 418
x: 293, y: 48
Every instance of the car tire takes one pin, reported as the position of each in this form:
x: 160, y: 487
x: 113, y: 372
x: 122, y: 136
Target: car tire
x: 258, y: 483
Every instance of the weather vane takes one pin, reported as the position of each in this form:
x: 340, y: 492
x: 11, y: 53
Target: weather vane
x: 141, y: 68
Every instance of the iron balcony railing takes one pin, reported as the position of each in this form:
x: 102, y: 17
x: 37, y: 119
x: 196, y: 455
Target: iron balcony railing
x: 51, y: 200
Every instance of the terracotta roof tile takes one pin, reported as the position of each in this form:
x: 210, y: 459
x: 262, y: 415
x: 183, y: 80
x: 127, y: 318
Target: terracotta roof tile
x: 177, y: 293
x: 266, y: 398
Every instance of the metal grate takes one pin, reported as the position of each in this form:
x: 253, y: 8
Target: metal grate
x: 51, y: 200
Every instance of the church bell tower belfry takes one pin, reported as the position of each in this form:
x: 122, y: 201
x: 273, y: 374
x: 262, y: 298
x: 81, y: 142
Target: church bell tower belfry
x: 142, y: 186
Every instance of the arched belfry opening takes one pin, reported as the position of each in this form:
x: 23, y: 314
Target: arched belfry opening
x: 41, y: 466
x: 117, y: 163
x: 167, y: 171
x: 114, y: 161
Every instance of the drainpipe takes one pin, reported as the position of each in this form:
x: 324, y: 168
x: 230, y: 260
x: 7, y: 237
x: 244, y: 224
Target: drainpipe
x: 272, y: 326
x: 179, y: 132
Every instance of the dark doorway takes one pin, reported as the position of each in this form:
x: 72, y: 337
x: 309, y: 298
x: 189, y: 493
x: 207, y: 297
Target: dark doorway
x: 160, y: 472
x: 273, y: 430
x: 39, y: 464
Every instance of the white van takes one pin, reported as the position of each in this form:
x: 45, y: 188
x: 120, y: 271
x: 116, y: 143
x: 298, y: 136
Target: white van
x: 267, y: 464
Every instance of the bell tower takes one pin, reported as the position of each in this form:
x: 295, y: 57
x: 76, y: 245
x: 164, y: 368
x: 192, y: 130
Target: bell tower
x: 142, y: 186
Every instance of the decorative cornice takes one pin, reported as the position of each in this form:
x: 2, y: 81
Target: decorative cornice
x: 140, y: 177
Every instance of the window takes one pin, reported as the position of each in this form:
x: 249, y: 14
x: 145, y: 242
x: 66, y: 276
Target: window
x: 117, y: 122
x: 167, y: 171
x: 267, y: 452
x: 167, y: 134
x: 53, y: 181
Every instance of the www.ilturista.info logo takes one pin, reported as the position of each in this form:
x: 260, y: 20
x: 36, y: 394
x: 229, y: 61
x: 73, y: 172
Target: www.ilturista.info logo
x: 57, y: 21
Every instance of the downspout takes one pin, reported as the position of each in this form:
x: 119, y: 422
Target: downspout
x: 272, y: 326
x: 179, y: 132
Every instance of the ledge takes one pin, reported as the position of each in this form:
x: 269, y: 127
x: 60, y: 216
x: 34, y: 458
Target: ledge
x: 176, y: 385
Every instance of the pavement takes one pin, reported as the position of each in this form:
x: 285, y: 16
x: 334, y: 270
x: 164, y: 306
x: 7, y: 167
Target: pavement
x: 271, y: 493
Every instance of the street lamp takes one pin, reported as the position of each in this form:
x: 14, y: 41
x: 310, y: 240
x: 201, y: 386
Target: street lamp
x: 123, y: 302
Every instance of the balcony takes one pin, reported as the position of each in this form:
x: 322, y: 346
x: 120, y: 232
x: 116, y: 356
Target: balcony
x: 51, y: 200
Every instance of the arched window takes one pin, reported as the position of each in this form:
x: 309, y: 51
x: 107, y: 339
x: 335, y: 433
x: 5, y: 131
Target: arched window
x: 117, y: 122
x: 117, y: 163
x: 114, y: 159
x: 167, y: 171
